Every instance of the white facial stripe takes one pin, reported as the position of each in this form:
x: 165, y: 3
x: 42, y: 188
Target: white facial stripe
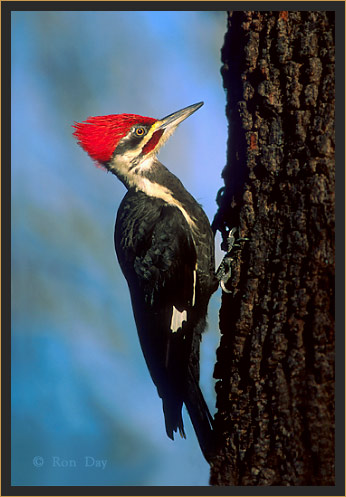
x: 129, y: 156
x: 167, y: 133
x: 147, y: 137
x: 178, y: 318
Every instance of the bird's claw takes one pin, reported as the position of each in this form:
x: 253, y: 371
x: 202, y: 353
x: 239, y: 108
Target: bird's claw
x: 224, y: 280
x: 232, y: 242
x: 224, y: 271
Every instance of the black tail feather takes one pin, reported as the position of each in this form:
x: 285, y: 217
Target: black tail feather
x: 173, y: 417
x: 200, y: 416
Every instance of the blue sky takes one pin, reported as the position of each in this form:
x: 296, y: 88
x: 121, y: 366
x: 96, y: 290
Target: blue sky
x: 80, y: 385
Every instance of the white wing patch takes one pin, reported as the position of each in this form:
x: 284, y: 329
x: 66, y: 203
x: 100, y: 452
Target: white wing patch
x: 194, y: 287
x: 178, y: 318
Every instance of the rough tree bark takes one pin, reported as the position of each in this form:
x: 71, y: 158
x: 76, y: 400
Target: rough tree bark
x: 275, y: 363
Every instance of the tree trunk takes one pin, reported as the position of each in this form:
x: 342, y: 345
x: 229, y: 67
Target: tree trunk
x: 275, y: 363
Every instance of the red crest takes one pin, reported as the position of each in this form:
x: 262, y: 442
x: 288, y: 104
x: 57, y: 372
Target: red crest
x: 99, y: 136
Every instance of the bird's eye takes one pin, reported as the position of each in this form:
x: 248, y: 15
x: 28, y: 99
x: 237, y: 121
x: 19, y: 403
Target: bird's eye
x: 140, y: 131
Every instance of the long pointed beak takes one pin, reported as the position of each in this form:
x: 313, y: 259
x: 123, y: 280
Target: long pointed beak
x: 176, y: 118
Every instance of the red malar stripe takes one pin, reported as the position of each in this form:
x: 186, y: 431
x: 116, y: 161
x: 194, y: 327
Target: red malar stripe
x: 152, y: 142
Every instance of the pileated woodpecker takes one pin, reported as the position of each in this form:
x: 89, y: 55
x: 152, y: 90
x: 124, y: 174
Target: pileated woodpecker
x: 165, y: 247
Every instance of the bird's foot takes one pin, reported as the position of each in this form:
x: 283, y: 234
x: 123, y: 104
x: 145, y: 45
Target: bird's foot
x: 224, y: 271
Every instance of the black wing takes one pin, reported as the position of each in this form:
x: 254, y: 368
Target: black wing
x: 158, y: 258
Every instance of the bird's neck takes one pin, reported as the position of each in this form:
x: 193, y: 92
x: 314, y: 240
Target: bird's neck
x: 142, y: 174
x: 155, y: 180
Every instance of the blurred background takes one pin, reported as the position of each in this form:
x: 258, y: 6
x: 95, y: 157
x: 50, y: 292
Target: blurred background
x: 81, y: 393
